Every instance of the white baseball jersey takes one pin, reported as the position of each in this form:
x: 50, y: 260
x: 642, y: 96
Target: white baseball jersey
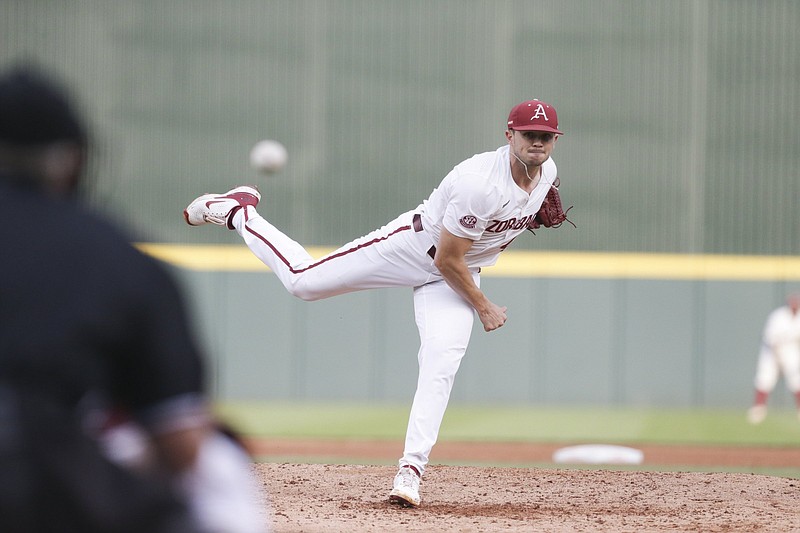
x: 479, y: 200
x: 782, y: 327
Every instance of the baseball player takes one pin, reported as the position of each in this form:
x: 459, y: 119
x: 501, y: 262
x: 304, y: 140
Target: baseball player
x: 779, y: 353
x: 438, y: 249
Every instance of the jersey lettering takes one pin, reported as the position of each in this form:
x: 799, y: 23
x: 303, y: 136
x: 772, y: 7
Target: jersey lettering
x: 492, y: 227
x: 500, y: 226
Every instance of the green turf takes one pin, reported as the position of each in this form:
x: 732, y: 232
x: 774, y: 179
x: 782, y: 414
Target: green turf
x: 522, y: 424
x: 514, y: 423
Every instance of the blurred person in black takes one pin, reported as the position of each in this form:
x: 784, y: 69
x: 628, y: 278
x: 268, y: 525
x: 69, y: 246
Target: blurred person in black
x: 88, y: 325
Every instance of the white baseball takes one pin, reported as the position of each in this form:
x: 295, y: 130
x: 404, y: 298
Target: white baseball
x: 268, y: 156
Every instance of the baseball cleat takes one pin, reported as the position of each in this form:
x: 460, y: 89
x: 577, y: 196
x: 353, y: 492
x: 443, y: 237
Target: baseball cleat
x: 757, y: 414
x: 219, y: 208
x: 405, y: 490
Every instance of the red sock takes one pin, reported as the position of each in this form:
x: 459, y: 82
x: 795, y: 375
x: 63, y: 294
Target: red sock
x: 414, y: 468
x: 761, y: 397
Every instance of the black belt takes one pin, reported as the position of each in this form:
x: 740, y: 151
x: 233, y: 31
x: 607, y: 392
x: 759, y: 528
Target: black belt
x: 416, y: 222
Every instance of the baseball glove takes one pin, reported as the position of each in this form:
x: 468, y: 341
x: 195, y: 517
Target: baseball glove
x: 551, y: 214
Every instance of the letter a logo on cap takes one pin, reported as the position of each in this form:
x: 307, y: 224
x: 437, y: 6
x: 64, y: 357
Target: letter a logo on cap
x: 540, y: 112
x: 534, y: 115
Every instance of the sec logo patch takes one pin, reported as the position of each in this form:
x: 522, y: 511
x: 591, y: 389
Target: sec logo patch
x: 468, y: 221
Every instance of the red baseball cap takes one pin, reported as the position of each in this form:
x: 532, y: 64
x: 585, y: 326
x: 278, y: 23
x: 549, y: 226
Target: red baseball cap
x: 534, y: 115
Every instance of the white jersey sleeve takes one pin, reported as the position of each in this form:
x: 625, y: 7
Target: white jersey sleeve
x: 472, y: 204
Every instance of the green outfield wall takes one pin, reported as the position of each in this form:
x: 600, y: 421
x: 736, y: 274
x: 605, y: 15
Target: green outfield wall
x: 680, y: 156
x: 680, y: 115
x: 583, y: 329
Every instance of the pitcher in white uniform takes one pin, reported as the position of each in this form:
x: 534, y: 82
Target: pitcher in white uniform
x: 438, y: 249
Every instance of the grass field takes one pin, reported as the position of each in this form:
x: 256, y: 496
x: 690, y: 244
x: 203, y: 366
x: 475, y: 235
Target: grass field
x: 514, y: 423
x: 550, y: 425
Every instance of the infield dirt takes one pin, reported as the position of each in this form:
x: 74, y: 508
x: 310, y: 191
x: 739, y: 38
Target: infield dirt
x: 316, y: 498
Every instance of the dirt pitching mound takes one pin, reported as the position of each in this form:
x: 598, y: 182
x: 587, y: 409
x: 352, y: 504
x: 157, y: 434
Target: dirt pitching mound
x: 317, y: 498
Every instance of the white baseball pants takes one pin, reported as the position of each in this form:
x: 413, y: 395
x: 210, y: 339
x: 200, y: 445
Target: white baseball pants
x: 397, y: 255
x: 784, y: 359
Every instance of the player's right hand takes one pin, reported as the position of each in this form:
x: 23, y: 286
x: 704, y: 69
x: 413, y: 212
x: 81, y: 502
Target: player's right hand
x: 493, y: 317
